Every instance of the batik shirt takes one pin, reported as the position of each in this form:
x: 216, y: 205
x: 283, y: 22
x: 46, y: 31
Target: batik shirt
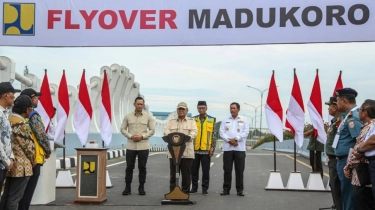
x: 352, y: 160
x: 5, y: 141
x: 39, y: 130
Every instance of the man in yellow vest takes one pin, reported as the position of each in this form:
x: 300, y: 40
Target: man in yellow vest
x: 204, y: 148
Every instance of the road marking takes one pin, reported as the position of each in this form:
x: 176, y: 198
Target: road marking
x: 325, y: 174
x: 212, y: 163
x: 114, y: 164
x: 218, y: 155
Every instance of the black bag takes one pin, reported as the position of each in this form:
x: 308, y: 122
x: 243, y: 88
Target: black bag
x: 363, y: 173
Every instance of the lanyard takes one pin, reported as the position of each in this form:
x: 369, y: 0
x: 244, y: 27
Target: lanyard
x: 336, y: 140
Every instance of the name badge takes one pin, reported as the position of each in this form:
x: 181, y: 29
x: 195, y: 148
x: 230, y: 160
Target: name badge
x: 335, y: 141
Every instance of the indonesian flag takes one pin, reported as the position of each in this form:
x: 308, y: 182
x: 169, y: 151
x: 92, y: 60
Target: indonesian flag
x: 274, y: 111
x: 63, y: 108
x: 45, y: 105
x: 82, y: 117
x: 105, y: 112
x: 315, y: 110
x: 295, y: 114
x: 339, y: 85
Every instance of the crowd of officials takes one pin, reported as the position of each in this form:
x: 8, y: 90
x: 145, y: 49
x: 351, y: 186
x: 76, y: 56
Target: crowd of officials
x: 350, y: 148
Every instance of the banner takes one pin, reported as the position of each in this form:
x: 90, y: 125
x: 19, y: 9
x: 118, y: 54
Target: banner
x: 84, y: 23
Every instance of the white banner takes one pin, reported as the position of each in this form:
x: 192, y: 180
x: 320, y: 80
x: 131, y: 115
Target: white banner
x: 76, y: 23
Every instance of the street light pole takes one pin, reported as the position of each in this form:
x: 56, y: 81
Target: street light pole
x: 261, y: 107
x: 256, y: 108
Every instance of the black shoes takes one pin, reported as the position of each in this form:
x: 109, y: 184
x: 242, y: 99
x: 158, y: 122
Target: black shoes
x: 192, y: 191
x: 204, y: 192
x: 224, y: 193
x: 141, y: 190
x: 127, y: 191
x: 240, y: 194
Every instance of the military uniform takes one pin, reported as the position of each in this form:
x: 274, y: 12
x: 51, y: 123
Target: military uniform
x: 318, y: 147
x: 334, y: 180
x: 348, y: 131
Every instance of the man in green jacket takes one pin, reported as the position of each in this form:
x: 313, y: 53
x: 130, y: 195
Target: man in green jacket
x: 316, y: 148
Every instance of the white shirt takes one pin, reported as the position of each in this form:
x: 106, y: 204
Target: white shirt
x: 369, y: 134
x: 234, y: 128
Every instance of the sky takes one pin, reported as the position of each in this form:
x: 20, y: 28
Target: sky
x: 217, y: 74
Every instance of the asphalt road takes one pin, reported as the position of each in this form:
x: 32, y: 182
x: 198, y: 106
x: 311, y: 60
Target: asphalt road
x: 258, y: 165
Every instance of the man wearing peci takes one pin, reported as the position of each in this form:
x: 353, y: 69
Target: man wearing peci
x: 345, y: 139
x: 137, y: 126
x: 204, y: 148
x: 234, y: 131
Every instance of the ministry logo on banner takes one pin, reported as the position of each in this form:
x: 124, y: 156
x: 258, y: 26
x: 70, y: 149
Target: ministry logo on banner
x: 18, y: 19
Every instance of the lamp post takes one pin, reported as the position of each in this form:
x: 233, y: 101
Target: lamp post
x: 252, y: 123
x: 261, y: 107
x: 256, y: 108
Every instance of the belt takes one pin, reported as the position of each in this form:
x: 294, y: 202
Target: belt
x: 341, y: 157
x: 332, y: 157
x: 371, y: 158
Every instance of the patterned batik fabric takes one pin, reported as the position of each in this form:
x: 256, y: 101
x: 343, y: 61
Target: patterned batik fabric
x: 5, y: 141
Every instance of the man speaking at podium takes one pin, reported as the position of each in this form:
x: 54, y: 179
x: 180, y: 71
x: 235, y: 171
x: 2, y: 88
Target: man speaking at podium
x: 187, y: 126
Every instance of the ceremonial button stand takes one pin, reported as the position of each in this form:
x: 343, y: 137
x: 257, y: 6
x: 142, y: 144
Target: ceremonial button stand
x: 91, y: 175
x: 45, y: 191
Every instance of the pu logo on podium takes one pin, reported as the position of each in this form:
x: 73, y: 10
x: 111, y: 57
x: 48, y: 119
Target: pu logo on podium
x: 89, y: 167
x: 18, y: 19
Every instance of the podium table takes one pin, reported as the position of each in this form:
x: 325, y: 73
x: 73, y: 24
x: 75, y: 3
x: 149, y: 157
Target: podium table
x: 91, y: 175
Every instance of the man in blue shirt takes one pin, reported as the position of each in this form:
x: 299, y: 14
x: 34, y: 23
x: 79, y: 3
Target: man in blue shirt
x: 348, y: 131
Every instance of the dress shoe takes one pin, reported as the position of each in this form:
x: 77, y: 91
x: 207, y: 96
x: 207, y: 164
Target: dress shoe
x: 204, y: 192
x: 240, y: 194
x: 193, y: 191
x: 224, y: 193
x: 127, y: 191
x: 141, y: 190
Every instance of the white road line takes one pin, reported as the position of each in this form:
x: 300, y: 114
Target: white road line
x: 218, y: 155
x: 121, y: 162
x: 212, y: 163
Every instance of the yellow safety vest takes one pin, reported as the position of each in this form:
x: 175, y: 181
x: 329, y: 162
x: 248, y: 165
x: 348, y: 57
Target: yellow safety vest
x: 204, y: 138
x: 39, y: 151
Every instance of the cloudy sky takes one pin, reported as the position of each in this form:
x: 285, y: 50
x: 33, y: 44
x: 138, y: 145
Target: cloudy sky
x: 216, y: 74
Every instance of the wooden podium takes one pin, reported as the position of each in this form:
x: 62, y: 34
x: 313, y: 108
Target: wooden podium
x: 91, y: 175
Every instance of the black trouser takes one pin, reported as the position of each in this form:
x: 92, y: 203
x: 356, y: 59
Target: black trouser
x: 371, y: 166
x: 363, y: 198
x: 205, y: 160
x: 319, y: 164
x: 334, y: 183
x: 3, y: 174
x: 131, y: 155
x: 185, y: 171
x: 13, y: 192
x: 30, y: 188
x: 238, y: 158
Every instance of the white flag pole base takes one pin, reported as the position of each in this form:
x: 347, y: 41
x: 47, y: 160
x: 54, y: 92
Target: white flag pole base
x: 64, y: 179
x: 315, y: 182
x: 327, y: 186
x: 275, y: 181
x: 295, y: 181
x: 108, y: 180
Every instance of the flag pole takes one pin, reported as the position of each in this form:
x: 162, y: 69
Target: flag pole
x: 64, y: 153
x: 295, y: 156
x: 274, y: 153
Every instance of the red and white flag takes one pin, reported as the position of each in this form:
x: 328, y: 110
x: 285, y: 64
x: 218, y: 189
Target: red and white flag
x: 295, y: 114
x: 274, y: 110
x: 45, y: 105
x: 315, y: 111
x: 63, y: 109
x: 339, y: 85
x: 105, y: 112
x: 83, y: 115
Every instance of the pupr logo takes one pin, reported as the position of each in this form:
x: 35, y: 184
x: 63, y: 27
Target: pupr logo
x: 18, y: 19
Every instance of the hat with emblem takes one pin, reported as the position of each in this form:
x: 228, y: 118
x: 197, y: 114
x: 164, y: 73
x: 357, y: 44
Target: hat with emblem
x: 7, y: 87
x: 332, y: 101
x: 30, y: 92
x: 202, y: 103
x: 346, y: 92
x: 182, y: 105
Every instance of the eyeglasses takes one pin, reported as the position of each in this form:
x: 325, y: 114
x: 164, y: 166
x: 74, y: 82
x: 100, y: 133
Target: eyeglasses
x: 362, y: 109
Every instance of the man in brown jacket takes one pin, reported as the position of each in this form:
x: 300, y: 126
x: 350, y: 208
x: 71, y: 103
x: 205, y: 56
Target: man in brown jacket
x: 137, y: 127
x: 187, y: 126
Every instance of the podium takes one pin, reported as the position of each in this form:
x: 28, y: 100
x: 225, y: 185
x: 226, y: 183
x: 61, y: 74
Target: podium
x: 91, y: 175
x: 47, y: 178
x: 176, y: 146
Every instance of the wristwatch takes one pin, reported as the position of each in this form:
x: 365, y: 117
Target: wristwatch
x: 360, y: 152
